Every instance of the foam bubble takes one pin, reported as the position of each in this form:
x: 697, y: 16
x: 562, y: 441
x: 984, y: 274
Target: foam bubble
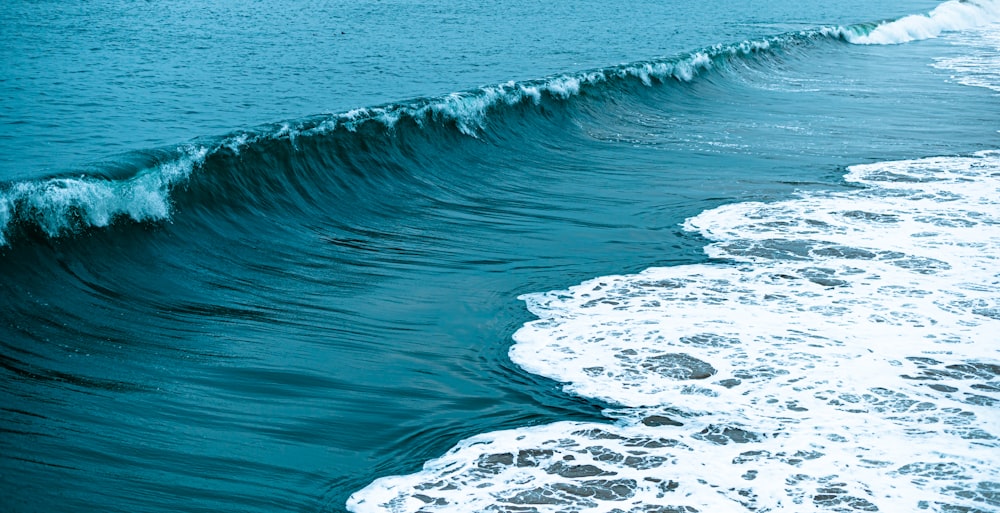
x: 656, y: 466
x: 5, y: 212
x: 570, y: 466
x: 564, y: 87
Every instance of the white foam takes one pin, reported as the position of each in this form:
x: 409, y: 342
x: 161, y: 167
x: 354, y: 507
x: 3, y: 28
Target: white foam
x: 469, y: 110
x: 842, y: 357
x: 593, y: 467
x: 571, y: 466
x: 953, y: 15
x: 63, y: 205
x: 5, y: 215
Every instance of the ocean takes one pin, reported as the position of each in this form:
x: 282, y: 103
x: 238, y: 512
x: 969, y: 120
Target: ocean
x: 406, y: 256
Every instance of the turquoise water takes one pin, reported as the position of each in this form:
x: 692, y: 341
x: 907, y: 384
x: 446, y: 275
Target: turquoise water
x: 262, y: 257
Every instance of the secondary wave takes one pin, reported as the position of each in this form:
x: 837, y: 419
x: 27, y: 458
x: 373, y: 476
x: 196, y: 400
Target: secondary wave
x: 67, y: 205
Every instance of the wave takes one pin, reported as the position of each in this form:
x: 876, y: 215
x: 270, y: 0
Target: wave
x: 951, y: 16
x: 66, y: 205
x: 834, y: 354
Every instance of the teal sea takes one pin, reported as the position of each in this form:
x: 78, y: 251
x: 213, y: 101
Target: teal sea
x: 407, y: 256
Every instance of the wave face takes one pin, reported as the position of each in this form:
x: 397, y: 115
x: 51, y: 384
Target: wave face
x: 794, y: 306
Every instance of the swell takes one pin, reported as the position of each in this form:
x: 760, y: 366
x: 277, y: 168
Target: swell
x: 306, y: 161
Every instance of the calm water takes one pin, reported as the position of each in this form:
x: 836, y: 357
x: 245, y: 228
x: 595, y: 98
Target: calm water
x: 279, y: 256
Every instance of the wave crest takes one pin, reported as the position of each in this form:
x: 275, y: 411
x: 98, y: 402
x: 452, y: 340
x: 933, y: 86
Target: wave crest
x: 950, y: 16
x: 58, y: 206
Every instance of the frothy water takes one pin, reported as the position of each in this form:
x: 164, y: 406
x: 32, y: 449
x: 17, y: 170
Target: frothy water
x: 841, y: 355
x: 59, y: 206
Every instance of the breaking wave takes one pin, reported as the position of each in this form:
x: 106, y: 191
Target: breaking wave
x: 950, y: 16
x: 72, y: 203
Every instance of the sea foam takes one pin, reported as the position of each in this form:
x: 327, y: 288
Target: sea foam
x: 841, y: 354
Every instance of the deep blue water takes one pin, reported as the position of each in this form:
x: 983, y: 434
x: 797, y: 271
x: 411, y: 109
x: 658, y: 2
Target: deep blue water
x: 258, y: 256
